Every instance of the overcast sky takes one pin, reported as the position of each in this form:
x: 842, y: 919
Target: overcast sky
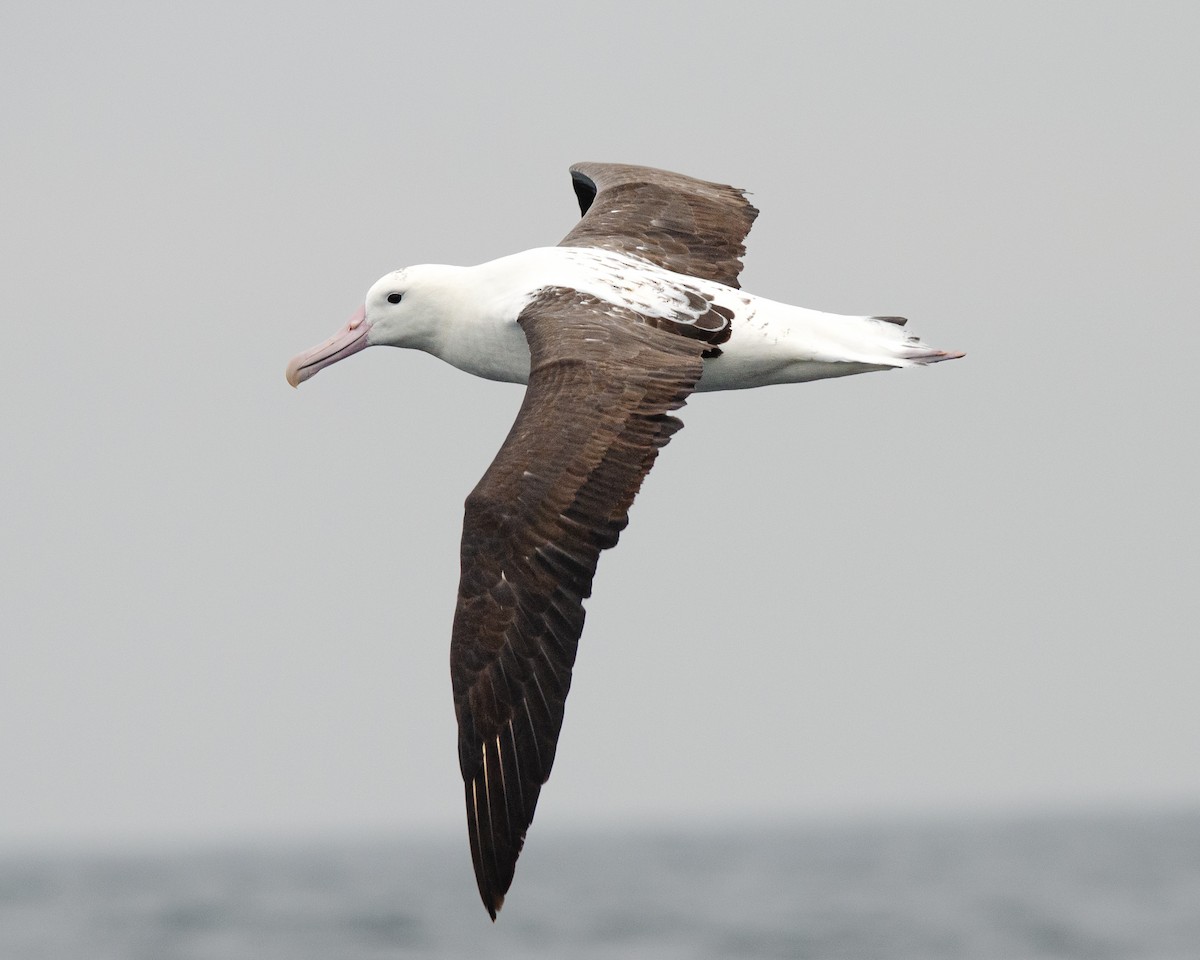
x: 972, y: 587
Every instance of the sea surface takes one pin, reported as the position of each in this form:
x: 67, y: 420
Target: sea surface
x: 1087, y: 887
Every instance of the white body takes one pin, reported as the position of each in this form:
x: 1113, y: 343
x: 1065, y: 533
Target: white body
x: 467, y: 316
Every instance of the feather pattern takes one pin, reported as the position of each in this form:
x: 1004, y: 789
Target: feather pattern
x: 682, y: 224
x: 557, y: 494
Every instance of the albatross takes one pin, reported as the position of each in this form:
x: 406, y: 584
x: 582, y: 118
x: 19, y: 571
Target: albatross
x: 611, y: 330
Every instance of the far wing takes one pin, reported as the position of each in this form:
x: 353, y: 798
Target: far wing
x: 682, y: 224
x: 597, y: 410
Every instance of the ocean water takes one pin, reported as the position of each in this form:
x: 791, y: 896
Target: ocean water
x: 1093, y: 888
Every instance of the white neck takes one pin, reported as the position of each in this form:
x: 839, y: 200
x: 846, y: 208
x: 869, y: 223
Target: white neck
x: 476, y: 329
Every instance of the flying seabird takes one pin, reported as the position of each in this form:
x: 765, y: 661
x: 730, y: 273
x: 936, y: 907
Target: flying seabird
x: 612, y: 329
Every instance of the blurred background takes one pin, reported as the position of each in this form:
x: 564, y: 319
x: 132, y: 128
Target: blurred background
x: 896, y: 665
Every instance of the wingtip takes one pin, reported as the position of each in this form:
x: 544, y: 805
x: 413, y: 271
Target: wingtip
x: 493, y: 905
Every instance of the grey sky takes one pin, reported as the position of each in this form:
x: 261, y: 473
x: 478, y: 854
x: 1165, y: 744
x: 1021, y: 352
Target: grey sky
x: 227, y: 603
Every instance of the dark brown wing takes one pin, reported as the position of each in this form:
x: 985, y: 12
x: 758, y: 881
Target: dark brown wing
x: 596, y: 412
x: 685, y: 225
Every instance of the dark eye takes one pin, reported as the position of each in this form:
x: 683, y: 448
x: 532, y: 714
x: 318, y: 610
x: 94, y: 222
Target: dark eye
x: 394, y: 298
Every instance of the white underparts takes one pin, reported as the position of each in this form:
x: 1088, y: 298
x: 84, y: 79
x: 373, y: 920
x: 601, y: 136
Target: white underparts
x: 769, y: 342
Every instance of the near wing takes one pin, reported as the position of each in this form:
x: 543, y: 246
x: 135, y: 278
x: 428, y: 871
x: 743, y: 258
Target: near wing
x: 682, y: 224
x: 596, y: 412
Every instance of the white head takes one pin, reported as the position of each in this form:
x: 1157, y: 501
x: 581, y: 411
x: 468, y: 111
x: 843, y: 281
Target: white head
x: 402, y: 309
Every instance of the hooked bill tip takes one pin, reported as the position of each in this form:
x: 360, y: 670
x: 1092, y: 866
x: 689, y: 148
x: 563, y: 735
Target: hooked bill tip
x: 293, y: 374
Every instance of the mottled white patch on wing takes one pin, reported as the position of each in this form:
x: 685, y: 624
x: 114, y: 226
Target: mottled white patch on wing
x: 639, y: 285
